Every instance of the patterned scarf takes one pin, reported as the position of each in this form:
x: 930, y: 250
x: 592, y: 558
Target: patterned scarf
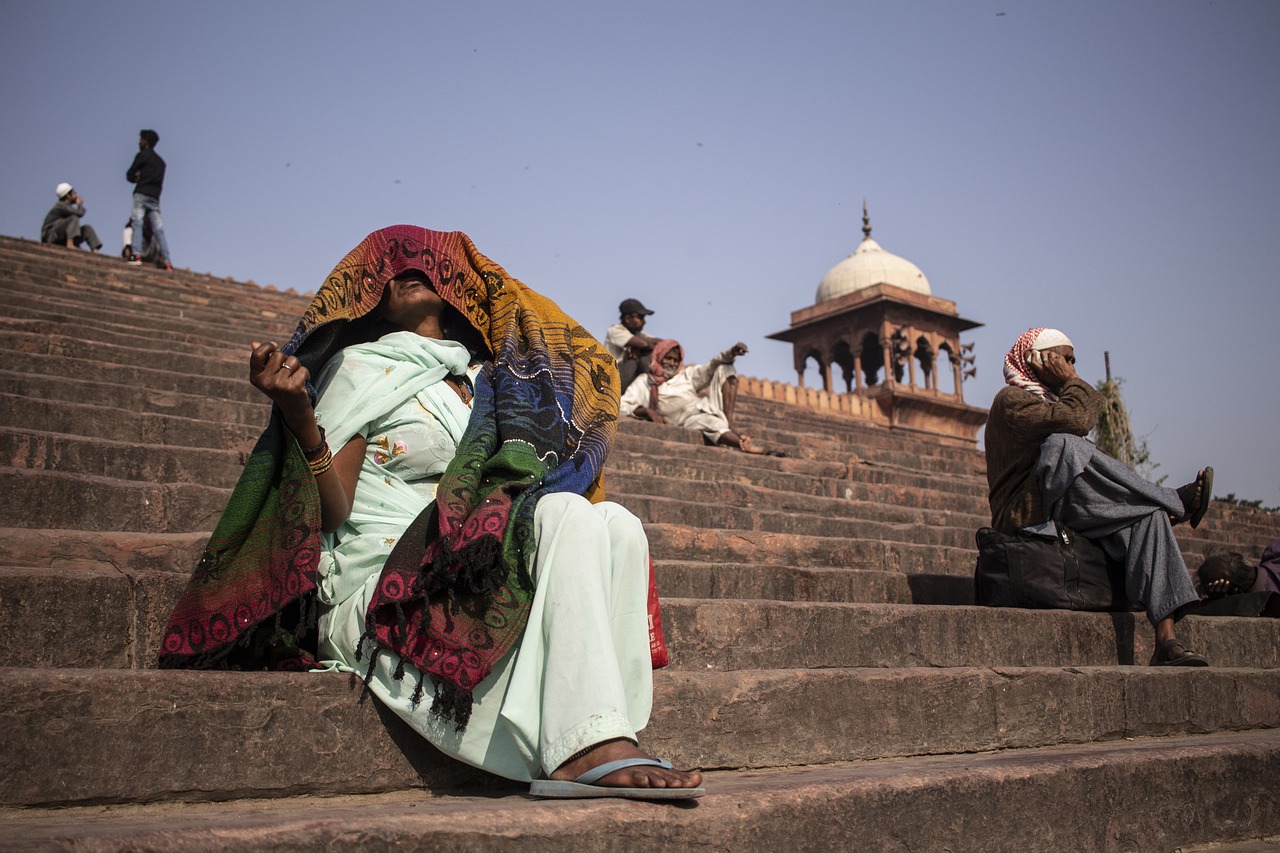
x: 1018, y: 373
x: 657, y: 373
x: 455, y: 593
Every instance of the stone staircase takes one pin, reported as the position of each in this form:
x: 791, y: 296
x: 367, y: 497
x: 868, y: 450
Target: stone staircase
x: 829, y: 671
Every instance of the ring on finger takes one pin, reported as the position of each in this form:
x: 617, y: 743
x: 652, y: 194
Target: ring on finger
x: 286, y: 367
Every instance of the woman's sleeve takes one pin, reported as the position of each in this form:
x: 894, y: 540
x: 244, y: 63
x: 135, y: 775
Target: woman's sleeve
x: 339, y: 407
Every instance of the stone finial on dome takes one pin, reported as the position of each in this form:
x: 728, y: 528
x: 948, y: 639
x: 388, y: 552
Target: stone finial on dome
x: 866, y: 222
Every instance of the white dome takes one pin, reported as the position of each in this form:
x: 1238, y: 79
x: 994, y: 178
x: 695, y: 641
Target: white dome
x: 868, y: 266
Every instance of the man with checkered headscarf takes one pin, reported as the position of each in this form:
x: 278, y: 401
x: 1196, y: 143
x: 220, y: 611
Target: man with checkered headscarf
x: 1041, y: 469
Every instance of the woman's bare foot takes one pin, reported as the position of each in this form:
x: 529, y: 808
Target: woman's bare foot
x: 644, y: 776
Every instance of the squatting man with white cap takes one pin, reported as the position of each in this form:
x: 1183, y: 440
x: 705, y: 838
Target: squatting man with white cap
x: 1040, y: 467
x: 62, y: 224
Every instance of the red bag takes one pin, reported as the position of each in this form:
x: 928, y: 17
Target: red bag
x: 657, y: 642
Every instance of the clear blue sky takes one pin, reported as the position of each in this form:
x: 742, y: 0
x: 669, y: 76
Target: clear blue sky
x: 1109, y: 168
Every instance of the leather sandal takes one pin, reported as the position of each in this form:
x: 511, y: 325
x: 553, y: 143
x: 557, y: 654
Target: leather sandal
x: 1174, y: 653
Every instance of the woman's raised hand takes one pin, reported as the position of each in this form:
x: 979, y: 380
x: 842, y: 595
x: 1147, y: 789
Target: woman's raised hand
x: 280, y: 377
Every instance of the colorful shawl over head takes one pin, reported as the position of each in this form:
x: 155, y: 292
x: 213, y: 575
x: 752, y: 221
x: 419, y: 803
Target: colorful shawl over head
x: 455, y: 593
x: 659, y: 374
x: 1018, y: 373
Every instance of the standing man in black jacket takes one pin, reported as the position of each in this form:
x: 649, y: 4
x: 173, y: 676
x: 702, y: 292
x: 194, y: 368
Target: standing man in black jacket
x: 147, y: 173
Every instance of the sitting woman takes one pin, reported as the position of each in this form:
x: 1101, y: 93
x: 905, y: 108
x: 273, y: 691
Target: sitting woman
x: 1041, y: 468
x: 697, y: 396
x: 468, y: 568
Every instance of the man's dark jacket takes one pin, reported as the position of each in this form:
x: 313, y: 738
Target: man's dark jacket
x: 147, y: 171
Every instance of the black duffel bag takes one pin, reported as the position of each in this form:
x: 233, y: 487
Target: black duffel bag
x: 1045, y: 571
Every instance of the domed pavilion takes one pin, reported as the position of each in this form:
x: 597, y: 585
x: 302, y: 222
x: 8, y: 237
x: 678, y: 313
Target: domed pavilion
x: 876, y: 324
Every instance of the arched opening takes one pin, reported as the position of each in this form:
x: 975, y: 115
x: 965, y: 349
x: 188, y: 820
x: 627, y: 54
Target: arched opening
x: 952, y: 361
x: 842, y: 356
x: 872, y: 357
x: 924, y: 357
x: 816, y: 379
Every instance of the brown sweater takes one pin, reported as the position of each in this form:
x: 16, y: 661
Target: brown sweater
x: 1018, y: 423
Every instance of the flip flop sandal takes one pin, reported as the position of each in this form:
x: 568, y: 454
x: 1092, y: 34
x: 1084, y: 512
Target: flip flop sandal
x: 1194, y: 513
x: 1206, y: 497
x: 584, y: 786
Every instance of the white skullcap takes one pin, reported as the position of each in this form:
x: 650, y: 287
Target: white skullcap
x: 1050, y: 338
x: 63, y: 189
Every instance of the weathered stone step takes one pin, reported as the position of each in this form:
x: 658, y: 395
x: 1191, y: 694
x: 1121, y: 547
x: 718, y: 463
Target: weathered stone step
x: 182, y: 324
x: 805, y: 501
x: 731, y: 518
x: 852, y: 430
x: 122, y: 460
x: 705, y: 579
x: 64, y: 421
x: 806, y: 446
x: 681, y: 542
x: 155, y: 379
x: 84, y: 617
x: 722, y: 464
x: 52, y: 499
x: 181, y: 434
x: 129, y: 400
x: 732, y: 505
x: 752, y: 810
x: 138, y: 339
x: 125, y: 613
x: 729, y: 635
x: 191, y: 367
x: 935, y: 804
x: 923, y: 457
x: 119, y: 551
x: 192, y: 322
x: 728, y: 506
x: 82, y: 736
x: 77, y: 271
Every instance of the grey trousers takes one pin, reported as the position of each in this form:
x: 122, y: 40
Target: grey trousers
x: 1103, y: 500
x: 71, y: 228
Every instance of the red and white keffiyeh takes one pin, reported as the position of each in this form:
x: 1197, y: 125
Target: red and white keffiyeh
x: 1018, y: 373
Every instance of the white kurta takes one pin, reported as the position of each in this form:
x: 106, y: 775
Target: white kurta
x: 582, y: 671
x: 693, y: 398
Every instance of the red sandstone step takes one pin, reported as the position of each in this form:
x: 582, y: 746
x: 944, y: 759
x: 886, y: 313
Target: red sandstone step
x: 51, y: 499
x: 936, y: 804
x: 79, y: 736
x: 122, y: 460
x: 125, y: 613
x: 681, y: 542
x: 190, y: 366
x: 152, y: 378
x: 729, y: 517
x: 178, y: 327
x: 135, y: 399
x: 183, y: 435
x: 72, y: 270
x: 120, y: 551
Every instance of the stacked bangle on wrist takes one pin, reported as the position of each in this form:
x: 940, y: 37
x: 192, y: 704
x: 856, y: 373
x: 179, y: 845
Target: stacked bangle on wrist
x: 319, y: 458
x: 322, y: 463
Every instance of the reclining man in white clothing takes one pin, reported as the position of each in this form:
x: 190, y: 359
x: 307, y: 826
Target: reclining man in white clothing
x: 699, y: 397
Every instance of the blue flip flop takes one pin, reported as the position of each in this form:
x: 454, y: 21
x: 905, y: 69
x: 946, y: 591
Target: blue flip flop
x: 584, y: 786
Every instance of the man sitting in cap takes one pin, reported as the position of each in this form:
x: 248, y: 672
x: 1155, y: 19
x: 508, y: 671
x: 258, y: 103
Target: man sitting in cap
x: 627, y: 343
x: 62, y: 225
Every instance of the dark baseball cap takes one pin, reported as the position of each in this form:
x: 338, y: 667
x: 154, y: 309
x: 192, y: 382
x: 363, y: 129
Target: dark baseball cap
x: 633, y: 306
